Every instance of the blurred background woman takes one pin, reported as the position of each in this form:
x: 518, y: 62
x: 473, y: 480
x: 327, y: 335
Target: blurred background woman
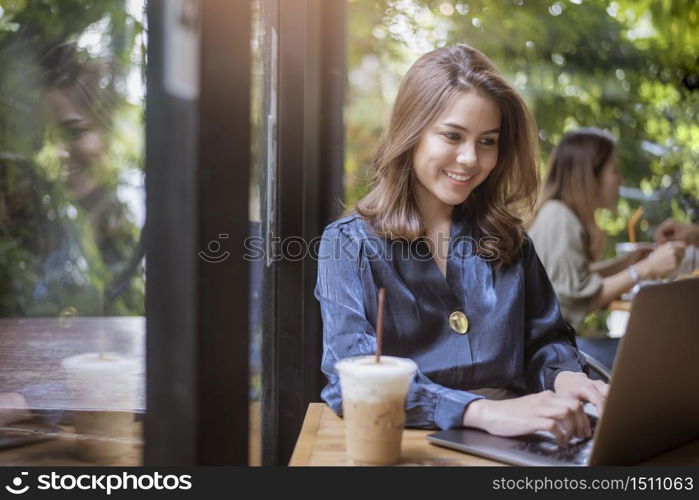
x: 583, y: 177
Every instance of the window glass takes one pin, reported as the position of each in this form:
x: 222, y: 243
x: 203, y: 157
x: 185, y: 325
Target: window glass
x: 72, y: 211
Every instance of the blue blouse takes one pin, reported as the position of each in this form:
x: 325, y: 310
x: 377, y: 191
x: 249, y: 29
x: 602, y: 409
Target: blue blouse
x: 516, y: 339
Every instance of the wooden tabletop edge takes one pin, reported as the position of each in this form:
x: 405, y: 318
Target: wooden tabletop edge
x: 304, y: 444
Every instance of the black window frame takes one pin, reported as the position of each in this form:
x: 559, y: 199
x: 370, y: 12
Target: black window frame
x: 311, y: 88
x: 197, y: 186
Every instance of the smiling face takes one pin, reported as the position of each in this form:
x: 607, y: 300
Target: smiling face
x: 81, y: 143
x: 456, y: 153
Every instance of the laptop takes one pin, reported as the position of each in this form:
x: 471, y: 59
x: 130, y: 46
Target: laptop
x: 652, y: 405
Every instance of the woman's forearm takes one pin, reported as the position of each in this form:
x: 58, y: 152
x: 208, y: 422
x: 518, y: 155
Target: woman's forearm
x: 612, y: 288
x: 610, y: 267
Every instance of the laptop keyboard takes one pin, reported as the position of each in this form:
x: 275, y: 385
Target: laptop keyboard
x: 577, y: 451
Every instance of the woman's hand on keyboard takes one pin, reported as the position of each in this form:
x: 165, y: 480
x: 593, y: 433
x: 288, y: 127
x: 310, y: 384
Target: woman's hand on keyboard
x: 546, y: 411
x: 578, y: 386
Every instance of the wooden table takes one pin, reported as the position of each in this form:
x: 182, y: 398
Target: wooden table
x: 61, y: 449
x: 322, y: 442
x: 31, y: 351
x: 619, y: 305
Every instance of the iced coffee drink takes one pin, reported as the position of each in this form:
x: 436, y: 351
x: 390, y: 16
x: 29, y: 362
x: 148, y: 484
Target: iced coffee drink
x: 373, y: 406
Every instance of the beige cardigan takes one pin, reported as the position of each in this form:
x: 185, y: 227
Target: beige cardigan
x: 559, y: 240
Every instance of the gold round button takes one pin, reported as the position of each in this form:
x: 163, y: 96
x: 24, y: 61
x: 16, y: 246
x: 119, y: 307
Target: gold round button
x: 458, y: 322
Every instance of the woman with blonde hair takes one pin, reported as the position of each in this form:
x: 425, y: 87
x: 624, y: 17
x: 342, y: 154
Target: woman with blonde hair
x: 583, y: 177
x: 466, y: 296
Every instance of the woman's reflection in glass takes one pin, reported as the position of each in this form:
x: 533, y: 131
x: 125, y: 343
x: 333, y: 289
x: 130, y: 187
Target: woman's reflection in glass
x: 81, y: 101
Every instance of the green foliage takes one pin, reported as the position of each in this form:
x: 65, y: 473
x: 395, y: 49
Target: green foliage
x: 628, y: 66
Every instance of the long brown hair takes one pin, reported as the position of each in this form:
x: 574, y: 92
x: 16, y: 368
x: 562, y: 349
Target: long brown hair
x: 429, y: 85
x: 88, y: 82
x: 573, y: 177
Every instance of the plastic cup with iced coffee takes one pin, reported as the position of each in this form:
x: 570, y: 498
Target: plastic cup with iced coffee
x: 373, y: 406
